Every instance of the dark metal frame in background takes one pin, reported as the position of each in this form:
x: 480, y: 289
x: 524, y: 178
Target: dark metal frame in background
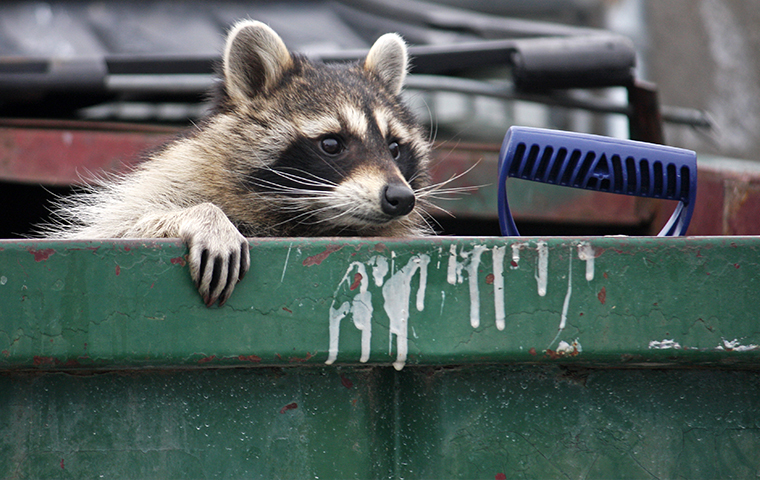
x: 546, y: 61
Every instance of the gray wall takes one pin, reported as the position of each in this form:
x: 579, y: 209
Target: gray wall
x: 706, y: 54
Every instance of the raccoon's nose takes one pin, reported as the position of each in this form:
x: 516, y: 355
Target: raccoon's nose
x: 397, y: 200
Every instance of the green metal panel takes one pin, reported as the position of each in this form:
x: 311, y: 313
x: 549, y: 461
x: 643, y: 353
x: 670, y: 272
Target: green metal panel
x: 468, y: 422
x: 113, y: 366
x: 623, y: 300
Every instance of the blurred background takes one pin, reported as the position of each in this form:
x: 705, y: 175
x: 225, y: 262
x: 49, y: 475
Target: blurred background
x: 86, y: 85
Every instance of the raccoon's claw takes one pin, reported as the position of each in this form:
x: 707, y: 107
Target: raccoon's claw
x: 218, y: 273
x: 218, y: 259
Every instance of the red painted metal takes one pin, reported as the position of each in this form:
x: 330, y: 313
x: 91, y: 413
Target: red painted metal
x: 52, y: 152
x: 728, y: 201
x: 61, y: 152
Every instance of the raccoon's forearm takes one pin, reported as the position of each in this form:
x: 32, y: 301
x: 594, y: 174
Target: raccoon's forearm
x: 204, y: 217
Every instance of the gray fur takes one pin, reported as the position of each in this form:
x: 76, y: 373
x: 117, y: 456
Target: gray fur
x: 230, y: 178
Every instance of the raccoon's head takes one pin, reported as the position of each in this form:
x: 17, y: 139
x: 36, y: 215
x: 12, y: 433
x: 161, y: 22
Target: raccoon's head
x: 317, y: 149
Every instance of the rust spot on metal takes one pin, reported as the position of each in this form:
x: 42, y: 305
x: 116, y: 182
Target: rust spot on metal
x: 489, y: 279
x: 62, y: 464
x: 602, y: 295
x: 249, y: 358
x: 346, y: 382
x: 605, y: 276
x: 500, y: 476
x: 290, y: 406
x: 41, y: 255
x: 357, y: 280
x: 532, y: 351
x: 118, y: 270
x: 181, y: 261
x: 206, y: 359
x: 301, y: 360
x: 514, y: 264
x: 38, y: 361
x: 736, y: 265
x: 91, y: 249
x: 6, y: 353
x: 553, y: 354
x: 320, y: 257
x: 380, y: 247
x: 287, y: 309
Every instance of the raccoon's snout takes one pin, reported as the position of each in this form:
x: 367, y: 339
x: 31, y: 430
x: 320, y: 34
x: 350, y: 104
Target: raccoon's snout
x: 397, y: 200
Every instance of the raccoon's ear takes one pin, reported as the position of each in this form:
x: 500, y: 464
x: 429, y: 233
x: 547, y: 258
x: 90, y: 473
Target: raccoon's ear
x: 255, y: 58
x: 388, y: 60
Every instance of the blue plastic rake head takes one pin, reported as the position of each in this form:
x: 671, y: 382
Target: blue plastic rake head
x: 598, y: 163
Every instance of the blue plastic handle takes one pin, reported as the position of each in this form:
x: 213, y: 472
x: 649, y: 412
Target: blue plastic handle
x: 599, y: 163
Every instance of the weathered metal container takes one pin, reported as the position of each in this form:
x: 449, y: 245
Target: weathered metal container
x: 366, y: 358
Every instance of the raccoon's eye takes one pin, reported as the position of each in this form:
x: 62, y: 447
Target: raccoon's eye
x: 331, y: 145
x: 395, y: 150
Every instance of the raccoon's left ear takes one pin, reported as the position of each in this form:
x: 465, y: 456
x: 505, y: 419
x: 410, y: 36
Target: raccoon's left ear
x: 388, y: 60
x: 255, y: 59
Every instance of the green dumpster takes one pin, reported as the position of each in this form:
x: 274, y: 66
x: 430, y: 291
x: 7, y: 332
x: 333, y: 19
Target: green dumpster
x: 492, y: 358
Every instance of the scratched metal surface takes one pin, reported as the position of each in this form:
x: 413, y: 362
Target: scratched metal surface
x: 621, y: 301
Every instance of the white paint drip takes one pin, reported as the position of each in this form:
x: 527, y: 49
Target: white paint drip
x: 498, y: 286
x: 565, y: 348
x: 664, y: 344
x: 379, y: 270
x: 566, y: 303
x: 336, y: 315
x: 470, y: 263
x: 516, y: 247
x: 735, y: 346
x: 396, y: 295
x: 542, y: 268
x: 587, y: 253
x: 472, y: 278
x: 361, y: 310
x: 454, y: 272
x: 285, y: 267
x: 423, y: 285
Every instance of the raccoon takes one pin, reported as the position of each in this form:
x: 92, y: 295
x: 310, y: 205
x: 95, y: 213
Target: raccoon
x: 292, y: 148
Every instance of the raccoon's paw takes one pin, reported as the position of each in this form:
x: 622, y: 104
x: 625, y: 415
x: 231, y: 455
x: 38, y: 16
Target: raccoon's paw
x: 218, y: 259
